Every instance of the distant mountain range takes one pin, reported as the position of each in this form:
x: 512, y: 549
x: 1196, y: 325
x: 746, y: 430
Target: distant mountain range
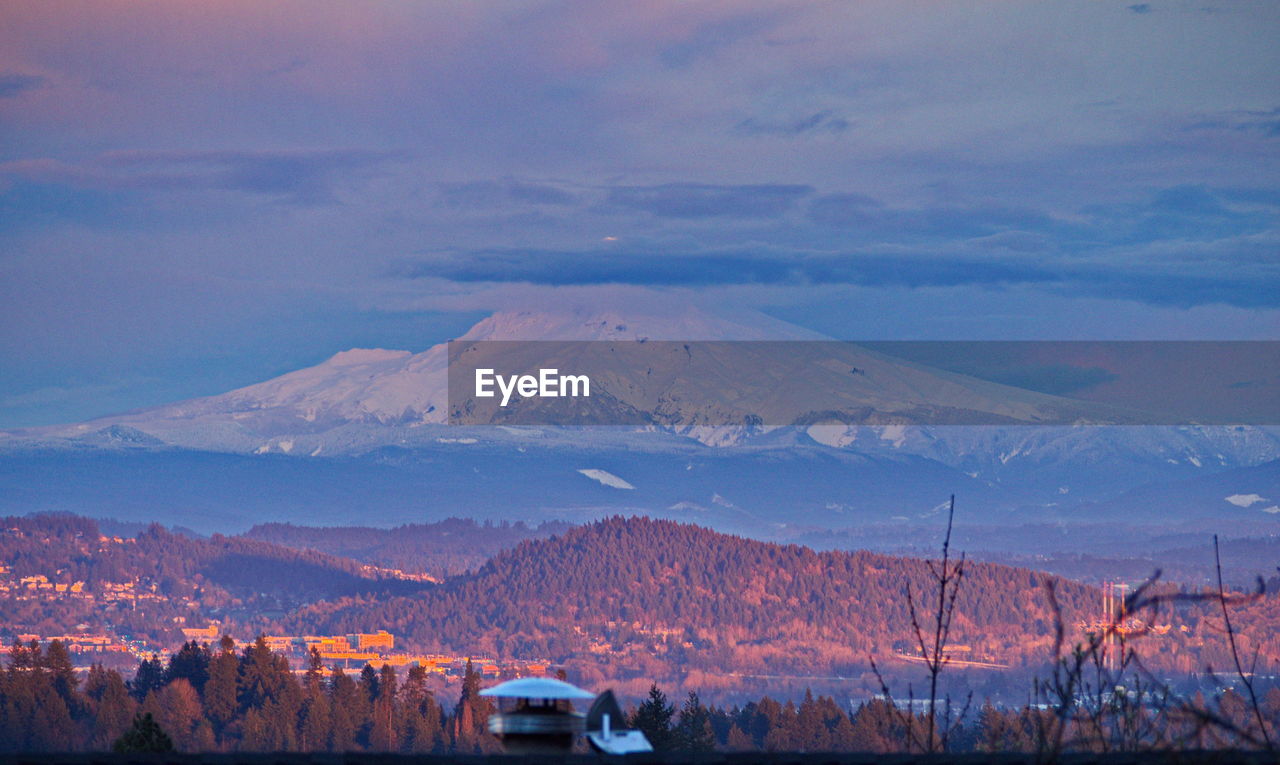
x: 363, y: 437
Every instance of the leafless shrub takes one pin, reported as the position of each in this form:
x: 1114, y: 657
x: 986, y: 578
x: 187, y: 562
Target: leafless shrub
x: 1099, y: 697
x: 928, y: 735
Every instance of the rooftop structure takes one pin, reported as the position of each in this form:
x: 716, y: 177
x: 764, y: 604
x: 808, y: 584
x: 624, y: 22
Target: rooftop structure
x: 542, y: 719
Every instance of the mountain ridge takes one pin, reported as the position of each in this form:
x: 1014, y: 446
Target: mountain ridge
x: 635, y: 597
x: 711, y: 599
x: 379, y: 415
x: 392, y: 393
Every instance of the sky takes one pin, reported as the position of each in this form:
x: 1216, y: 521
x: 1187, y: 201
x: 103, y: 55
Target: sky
x: 197, y: 196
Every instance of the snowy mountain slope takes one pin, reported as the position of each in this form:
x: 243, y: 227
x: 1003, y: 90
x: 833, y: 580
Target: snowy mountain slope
x: 365, y: 398
x: 681, y: 385
x: 1068, y: 464
x: 364, y: 409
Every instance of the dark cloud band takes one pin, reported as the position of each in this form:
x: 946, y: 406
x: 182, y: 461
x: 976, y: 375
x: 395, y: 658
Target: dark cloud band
x: 907, y: 269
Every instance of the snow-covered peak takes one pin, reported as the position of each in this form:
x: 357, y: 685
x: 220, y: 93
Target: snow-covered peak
x: 365, y: 398
x: 684, y: 323
x: 378, y: 391
x: 358, y: 356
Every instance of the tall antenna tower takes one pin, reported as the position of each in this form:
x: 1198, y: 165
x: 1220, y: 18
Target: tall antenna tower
x: 1112, y: 622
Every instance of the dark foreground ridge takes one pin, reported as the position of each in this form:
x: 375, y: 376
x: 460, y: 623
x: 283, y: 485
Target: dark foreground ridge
x: 1219, y: 757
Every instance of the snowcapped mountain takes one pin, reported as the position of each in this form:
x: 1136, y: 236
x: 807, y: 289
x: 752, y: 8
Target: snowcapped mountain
x: 690, y: 323
x: 366, y: 398
x: 369, y: 426
x: 363, y: 398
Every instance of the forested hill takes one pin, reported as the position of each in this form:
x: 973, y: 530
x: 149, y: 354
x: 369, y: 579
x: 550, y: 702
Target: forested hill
x: 445, y: 548
x: 636, y: 591
x: 141, y: 585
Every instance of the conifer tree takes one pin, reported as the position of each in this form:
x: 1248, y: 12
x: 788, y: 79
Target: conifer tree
x: 842, y: 734
x: 466, y: 728
x: 738, y: 740
x: 220, y: 702
x: 262, y: 675
x: 190, y: 662
x: 314, y: 682
x: 145, y: 735
x: 315, y: 724
x: 344, y: 712
x: 414, y: 690
x: 314, y: 715
x: 767, y: 714
x: 383, y: 736
x: 149, y: 677
x: 693, y: 730
x: 111, y: 708
x: 811, y: 733
x: 876, y: 728
x: 51, y: 722
x: 653, y: 718
x: 20, y: 654
x: 421, y: 722
x: 57, y: 662
x: 369, y: 682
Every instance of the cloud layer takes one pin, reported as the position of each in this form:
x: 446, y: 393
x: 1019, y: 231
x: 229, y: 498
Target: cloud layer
x: 227, y: 167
